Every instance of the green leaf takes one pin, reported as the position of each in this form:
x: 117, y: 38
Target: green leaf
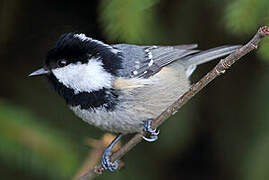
x: 129, y: 21
x: 256, y: 162
x: 245, y: 16
x: 263, y: 50
x: 30, y: 145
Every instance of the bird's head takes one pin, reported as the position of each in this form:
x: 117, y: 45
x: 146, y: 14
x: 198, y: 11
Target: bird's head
x: 81, y: 63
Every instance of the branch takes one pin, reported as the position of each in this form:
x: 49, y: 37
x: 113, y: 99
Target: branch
x: 218, y: 70
x: 95, y: 153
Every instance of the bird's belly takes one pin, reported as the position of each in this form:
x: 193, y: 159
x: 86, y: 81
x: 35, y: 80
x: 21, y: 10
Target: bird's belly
x: 139, y: 104
x: 118, y: 121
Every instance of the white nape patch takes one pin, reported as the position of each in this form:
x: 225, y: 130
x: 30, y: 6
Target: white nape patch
x: 84, y: 77
x: 83, y: 37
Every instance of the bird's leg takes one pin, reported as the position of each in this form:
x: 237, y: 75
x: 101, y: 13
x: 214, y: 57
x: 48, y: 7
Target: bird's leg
x: 153, y: 133
x: 106, y: 163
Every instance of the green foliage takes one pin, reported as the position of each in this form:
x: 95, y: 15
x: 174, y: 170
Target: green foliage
x: 263, y: 50
x: 257, y: 159
x: 228, y: 132
x: 129, y: 21
x: 245, y: 17
x: 32, y: 146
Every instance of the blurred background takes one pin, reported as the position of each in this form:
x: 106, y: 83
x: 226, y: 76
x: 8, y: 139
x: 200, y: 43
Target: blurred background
x: 222, y: 133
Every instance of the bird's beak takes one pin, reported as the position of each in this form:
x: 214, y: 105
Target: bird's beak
x: 38, y: 72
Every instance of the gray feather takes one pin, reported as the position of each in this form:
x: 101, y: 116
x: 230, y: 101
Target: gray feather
x: 186, y: 46
x: 145, y: 61
x: 208, y: 55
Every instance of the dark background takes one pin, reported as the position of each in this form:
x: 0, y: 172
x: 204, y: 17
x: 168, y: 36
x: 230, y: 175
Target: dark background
x: 222, y: 133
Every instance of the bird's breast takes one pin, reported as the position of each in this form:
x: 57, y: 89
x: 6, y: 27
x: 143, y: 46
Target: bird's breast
x: 138, y: 101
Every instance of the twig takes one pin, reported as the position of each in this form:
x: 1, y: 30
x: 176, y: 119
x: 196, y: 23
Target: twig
x: 219, y: 69
x: 95, y: 153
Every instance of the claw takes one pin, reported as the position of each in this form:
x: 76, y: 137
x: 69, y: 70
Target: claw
x: 153, y: 135
x: 151, y: 139
x: 106, y: 163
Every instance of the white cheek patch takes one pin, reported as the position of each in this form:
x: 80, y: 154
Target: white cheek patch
x: 84, y: 77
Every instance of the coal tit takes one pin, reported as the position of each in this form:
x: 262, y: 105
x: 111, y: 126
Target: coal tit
x: 120, y: 88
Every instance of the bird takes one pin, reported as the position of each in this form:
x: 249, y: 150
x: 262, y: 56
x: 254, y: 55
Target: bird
x: 121, y: 88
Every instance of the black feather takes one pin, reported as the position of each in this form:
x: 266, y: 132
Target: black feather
x: 75, y: 50
x: 106, y: 98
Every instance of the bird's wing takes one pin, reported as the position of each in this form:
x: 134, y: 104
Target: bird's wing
x: 145, y: 61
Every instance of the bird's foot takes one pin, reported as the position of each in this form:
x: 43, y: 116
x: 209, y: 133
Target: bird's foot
x: 153, y: 133
x: 106, y: 163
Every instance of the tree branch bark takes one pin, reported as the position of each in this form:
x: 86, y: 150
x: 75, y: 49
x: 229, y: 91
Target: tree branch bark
x: 218, y: 70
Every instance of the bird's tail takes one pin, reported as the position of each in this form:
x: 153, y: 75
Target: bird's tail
x: 208, y: 55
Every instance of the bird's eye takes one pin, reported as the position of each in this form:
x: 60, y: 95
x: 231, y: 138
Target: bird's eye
x: 62, y: 63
